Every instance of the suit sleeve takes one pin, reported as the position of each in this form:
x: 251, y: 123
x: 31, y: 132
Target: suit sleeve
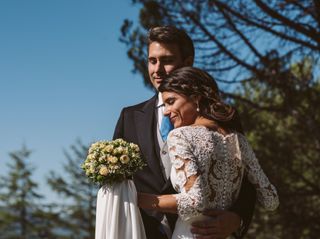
x: 118, y: 131
x: 244, y: 206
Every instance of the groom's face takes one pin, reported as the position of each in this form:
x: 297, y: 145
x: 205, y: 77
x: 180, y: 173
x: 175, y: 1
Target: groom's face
x: 163, y: 58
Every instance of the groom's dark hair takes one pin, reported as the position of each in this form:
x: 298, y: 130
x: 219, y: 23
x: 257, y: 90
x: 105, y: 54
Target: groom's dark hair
x: 172, y: 35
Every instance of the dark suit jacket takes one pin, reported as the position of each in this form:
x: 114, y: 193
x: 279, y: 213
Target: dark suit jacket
x: 137, y: 124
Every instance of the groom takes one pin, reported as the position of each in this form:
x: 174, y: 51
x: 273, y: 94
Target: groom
x: 168, y: 49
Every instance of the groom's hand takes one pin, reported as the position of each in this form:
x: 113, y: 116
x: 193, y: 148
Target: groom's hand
x: 221, y: 225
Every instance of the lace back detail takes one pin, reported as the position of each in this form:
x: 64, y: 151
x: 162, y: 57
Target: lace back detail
x: 207, y: 170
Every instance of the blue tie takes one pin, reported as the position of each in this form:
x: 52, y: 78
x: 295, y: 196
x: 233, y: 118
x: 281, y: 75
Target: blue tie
x: 165, y: 127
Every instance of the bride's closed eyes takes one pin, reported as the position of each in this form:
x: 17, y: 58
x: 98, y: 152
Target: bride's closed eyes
x: 169, y: 101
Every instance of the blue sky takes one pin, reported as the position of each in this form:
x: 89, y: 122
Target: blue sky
x: 64, y: 75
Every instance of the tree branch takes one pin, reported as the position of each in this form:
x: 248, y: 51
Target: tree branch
x: 267, y: 29
x: 219, y: 44
x: 306, y: 10
x: 242, y: 36
x: 311, y: 33
x: 251, y: 104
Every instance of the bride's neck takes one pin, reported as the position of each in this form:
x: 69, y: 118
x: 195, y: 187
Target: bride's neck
x: 211, y: 124
x: 200, y: 120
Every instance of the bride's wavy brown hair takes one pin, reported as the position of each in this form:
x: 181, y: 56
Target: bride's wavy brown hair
x: 191, y: 81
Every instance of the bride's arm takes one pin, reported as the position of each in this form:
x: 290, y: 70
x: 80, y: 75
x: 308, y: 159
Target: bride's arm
x: 189, y: 201
x: 162, y: 203
x: 266, y: 192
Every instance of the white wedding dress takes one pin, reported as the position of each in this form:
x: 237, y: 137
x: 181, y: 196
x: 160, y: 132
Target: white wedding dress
x: 117, y: 213
x: 218, y: 164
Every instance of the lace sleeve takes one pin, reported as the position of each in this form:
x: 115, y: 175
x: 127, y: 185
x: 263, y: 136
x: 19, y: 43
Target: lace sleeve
x: 266, y: 192
x: 189, y: 200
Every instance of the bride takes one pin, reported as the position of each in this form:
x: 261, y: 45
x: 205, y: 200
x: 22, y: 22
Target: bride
x: 209, y: 159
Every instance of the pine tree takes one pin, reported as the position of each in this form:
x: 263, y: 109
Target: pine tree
x: 283, y: 127
x: 19, y: 198
x: 78, y: 209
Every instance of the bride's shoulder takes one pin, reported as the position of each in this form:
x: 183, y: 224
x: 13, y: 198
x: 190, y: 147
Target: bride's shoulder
x: 187, y: 131
x: 178, y: 131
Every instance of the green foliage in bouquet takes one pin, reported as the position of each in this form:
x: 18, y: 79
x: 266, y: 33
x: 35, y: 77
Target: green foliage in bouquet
x: 113, y: 161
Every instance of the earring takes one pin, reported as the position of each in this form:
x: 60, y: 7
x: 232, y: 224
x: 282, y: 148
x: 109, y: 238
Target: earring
x: 198, y: 109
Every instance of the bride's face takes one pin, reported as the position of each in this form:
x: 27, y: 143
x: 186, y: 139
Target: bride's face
x: 181, y: 110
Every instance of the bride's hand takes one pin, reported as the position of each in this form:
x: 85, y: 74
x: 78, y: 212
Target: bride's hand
x: 147, y: 201
x: 221, y: 225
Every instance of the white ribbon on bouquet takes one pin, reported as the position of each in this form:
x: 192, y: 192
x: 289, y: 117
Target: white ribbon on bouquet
x: 117, y: 213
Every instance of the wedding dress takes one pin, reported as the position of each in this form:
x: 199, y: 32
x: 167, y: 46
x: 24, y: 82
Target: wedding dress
x: 218, y: 164
x: 117, y: 213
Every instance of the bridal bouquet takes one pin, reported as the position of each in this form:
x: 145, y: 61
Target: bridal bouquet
x: 112, y: 161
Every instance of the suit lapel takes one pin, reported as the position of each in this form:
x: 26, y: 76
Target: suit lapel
x: 144, y: 120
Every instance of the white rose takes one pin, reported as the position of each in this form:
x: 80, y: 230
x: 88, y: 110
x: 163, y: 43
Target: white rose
x: 124, y: 159
x: 112, y: 159
x: 103, y: 171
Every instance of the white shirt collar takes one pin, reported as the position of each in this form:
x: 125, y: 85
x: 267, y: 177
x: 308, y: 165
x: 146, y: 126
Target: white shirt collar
x: 160, y: 109
x: 160, y: 102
